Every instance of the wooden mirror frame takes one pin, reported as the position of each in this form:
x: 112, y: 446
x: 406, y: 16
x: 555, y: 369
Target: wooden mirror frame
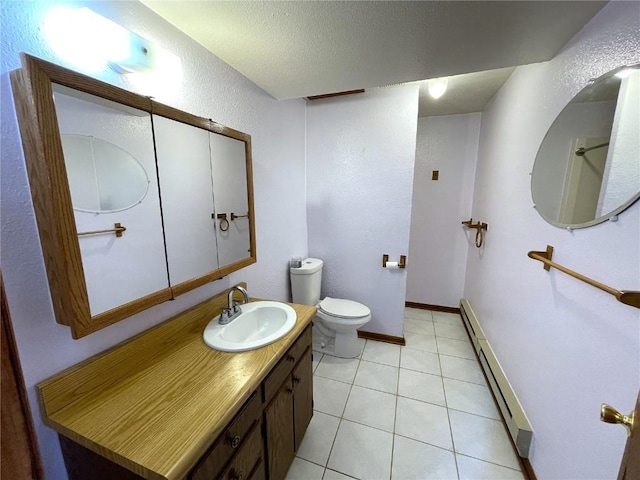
x: 35, y: 108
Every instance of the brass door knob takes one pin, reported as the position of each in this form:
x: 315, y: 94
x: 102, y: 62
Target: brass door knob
x: 609, y: 414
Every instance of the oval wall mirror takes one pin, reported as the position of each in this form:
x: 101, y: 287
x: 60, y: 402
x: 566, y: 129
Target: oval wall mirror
x: 587, y: 169
x: 103, y: 177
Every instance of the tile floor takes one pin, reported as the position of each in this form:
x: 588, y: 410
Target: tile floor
x: 422, y: 411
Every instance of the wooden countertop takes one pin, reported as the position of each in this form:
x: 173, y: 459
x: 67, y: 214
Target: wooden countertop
x: 155, y: 403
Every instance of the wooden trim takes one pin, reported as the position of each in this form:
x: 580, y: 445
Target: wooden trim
x: 527, y: 468
x: 77, y: 81
x: 195, y: 121
x: 20, y: 454
x: 381, y: 337
x: 104, y: 319
x: 218, y: 274
x: 435, y: 308
x: 50, y: 193
x: 337, y: 94
x: 252, y: 220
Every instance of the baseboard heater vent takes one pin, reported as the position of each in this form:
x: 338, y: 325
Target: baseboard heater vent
x: 515, y: 418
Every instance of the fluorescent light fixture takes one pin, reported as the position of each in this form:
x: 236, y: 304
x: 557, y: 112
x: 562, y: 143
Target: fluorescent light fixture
x: 86, y: 39
x: 626, y: 72
x: 93, y: 42
x: 437, y: 87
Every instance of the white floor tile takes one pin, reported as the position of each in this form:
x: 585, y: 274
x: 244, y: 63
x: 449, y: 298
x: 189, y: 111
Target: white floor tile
x: 301, y: 469
x: 333, y: 475
x: 341, y: 369
x: 381, y: 352
x: 451, y: 331
x: 470, y: 398
x: 361, y: 451
x: 424, y: 422
x: 473, y: 469
x: 319, y: 438
x: 371, y: 408
x: 421, y: 386
x: 316, y: 360
x: 418, y: 313
x: 456, y: 348
x: 418, y: 325
x: 421, y: 341
x: 329, y: 396
x: 445, y: 317
x: 424, y: 362
x: 416, y: 460
x: 463, y: 369
x: 482, y: 438
x: 377, y: 377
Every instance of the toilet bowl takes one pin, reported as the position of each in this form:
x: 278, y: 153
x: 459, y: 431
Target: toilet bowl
x: 337, y: 320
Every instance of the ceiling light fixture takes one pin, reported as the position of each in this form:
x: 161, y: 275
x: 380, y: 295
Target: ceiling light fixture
x: 91, y: 41
x: 437, y: 87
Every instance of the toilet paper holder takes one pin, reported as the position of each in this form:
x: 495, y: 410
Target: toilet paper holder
x: 401, y: 264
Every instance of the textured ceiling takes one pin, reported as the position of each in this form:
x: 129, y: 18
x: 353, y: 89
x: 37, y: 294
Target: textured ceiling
x: 296, y: 49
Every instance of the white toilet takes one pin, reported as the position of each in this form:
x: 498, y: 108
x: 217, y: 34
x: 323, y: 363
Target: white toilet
x: 337, y: 321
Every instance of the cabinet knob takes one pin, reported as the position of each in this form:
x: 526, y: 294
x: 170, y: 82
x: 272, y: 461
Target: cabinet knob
x: 235, y: 441
x: 296, y: 380
x: 289, y: 390
x: 290, y: 358
x: 233, y: 475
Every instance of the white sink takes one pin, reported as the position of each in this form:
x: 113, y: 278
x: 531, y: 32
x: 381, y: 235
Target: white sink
x: 259, y: 324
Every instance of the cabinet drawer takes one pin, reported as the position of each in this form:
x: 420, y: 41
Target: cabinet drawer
x: 248, y: 463
x: 230, y: 441
x: 271, y: 385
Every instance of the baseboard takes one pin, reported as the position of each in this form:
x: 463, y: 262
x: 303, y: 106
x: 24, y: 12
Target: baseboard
x: 381, y: 337
x: 435, y: 308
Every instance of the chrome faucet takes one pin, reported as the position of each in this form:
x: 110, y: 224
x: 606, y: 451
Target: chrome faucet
x: 233, y: 309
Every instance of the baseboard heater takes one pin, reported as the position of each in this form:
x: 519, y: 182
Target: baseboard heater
x: 515, y: 418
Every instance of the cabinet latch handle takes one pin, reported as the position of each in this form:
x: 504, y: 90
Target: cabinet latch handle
x: 235, y: 441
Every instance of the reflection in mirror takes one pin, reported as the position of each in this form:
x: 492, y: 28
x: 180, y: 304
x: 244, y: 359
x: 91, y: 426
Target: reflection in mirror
x: 110, y: 163
x: 184, y: 168
x: 587, y: 168
x: 229, y: 164
x: 102, y: 176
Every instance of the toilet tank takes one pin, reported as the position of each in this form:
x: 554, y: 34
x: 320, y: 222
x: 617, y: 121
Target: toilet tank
x: 305, y: 282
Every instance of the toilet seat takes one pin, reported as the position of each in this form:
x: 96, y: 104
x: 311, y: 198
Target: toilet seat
x: 341, y: 308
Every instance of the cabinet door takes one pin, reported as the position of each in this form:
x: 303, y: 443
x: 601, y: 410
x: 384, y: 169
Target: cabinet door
x: 229, y: 164
x: 110, y: 165
x: 184, y: 169
x: 280, y: 435
x: 302, y: 378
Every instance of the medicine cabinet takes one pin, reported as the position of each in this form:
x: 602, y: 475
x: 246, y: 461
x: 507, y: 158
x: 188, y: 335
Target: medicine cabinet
x: 136, y: 202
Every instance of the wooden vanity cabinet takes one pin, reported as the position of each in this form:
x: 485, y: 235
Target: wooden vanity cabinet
x: 241, y: 441
x: 290, y: 405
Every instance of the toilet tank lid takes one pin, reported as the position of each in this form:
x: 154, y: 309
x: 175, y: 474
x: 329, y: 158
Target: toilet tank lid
x: 339, y: 307
x: 309, y: 266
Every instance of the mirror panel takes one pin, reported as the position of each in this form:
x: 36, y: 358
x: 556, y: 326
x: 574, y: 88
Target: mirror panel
x: 231, y: 198
x: 117, y: 269
x: 186, y: 183
x: 587, y: 167
x: 102, y: 176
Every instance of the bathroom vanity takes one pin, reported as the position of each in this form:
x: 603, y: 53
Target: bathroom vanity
x: 163, y: 405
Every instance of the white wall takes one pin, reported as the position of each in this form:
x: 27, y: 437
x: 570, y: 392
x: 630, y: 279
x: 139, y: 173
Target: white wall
x: 565, y: 346
x: 439, y: 243
x: 360, y: 156
x: 210, y: 88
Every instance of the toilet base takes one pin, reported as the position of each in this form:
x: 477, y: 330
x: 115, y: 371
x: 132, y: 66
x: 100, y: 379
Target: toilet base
x: 343, y: 345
